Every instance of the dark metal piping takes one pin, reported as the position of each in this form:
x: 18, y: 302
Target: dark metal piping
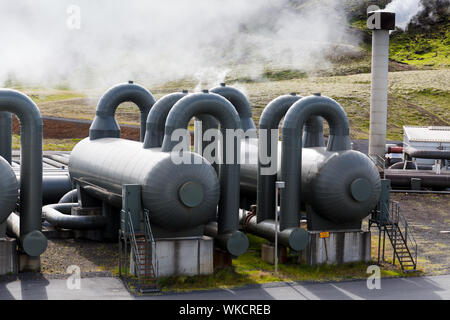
x: 240, y: 102
x: 31, y: 167
x: 157, y: 117
x: 6, y: 136
x: 229, y: 176
x: 427, y: 154
x: 69, y: 197
x: 295, y: 238
x: 59, y: 216
x: 291, y: 159
x: 270, y: 119
x: 236, y: 243
x: 105, y: 124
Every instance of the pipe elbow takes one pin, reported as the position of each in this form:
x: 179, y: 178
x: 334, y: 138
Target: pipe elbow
x: 59, y: 216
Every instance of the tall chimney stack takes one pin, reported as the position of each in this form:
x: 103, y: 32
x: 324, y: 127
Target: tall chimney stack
x: 380, y: 22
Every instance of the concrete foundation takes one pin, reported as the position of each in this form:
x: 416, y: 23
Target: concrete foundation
x: 341, y: 247
x: 185, y: 257
x: 268, y: 253
x: 8, y: 256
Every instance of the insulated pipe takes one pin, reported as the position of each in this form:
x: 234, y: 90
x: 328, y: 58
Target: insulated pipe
x: 240, y: 102
x: 236, y: 243
x: 291, y: 159
x: 33, y: 241
x: 221, y: 109
x: 157, y: 117
x: 380, y: 22
x: 105, y: 124
x: 427, y: 154
x: 6, y: 135
x: 270, y: 120
x: 295, y: 238
x: 9, y: 190
x: 58, y: 215
x: 69, y: 197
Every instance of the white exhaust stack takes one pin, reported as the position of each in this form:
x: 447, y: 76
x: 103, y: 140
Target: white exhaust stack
x: 380, y: 22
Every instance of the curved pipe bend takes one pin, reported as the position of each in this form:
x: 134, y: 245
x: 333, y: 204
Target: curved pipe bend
x: 31, y: 168
x: 157, y: 117
x: 69, y: 197
x: 105, y: 124
x: 59, y: 216
x: 270, y: 120
x: 240, y: 102
x: 291, y: 159
x: 229, y: 176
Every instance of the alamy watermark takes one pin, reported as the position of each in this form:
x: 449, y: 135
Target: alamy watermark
x: 374, y: 21
x: 226, y: 147
x: 374, y: 280
x: 74, y: 280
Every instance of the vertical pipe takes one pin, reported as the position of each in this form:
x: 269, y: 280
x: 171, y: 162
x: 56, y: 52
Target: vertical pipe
x: 380, y: 22
x: 33, y: 241
x: 6, y: 136
x: 379, y: 94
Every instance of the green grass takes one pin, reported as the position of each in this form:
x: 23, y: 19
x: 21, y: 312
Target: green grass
x: 250, y: 269
x: 429, y: 49
x: 37, y: 98
x: 50, y: 144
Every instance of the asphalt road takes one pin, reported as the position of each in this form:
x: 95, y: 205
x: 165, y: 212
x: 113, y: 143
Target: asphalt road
x: 423, y: 288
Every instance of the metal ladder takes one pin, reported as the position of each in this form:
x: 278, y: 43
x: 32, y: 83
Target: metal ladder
x: 143, y: 251
x: 397, y: 229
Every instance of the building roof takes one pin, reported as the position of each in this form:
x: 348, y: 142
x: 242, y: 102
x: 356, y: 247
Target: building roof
x: 427, y: 134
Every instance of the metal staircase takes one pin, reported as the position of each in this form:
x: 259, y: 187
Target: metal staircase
x: 143, y: 271
x: 136, y: 242
x: 395, y: 226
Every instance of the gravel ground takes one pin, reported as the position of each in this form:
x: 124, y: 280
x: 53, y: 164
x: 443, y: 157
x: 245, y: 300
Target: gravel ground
x: 429, y: 217
x: 91, y: 257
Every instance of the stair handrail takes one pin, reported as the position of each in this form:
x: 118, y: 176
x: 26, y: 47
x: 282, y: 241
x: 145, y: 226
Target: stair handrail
x: 398, y: 218
x: 136, y: 256
x: 149, y: 236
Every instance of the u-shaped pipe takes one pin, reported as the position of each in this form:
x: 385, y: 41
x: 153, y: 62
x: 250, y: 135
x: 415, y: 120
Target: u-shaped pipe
x: 221, y: 109
x: 291, y: 159
x: 270, y: 120
x: 240, y: 102
x: 105, y: 124
x: 33, y: 241
x: 157, y: 117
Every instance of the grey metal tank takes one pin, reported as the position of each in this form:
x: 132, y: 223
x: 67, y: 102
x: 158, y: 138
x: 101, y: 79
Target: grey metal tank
x: 179, y: 197
x: 9, y: 190
x: 341, y: 186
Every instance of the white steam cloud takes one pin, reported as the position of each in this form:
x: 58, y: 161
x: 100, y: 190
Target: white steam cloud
x: 44, y: 42
x: 405, y: 10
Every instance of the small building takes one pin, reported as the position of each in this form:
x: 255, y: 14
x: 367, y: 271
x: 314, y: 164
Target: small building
x: 427, y: 138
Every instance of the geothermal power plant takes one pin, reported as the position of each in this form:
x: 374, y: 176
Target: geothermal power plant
x: 183, y: 219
